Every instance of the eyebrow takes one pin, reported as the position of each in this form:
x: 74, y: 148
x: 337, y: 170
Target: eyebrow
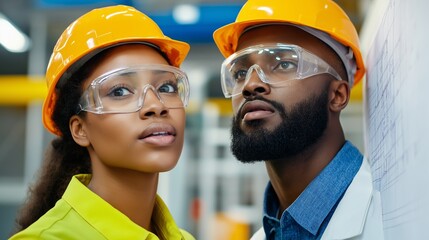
x: 154, y: 72
x: 160, y: 72
x: 128, y: 73
x: 242, y: 61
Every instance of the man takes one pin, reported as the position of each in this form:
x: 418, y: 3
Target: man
x: 289, y: 69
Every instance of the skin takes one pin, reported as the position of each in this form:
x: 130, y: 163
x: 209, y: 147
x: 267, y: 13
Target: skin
x: 291, y: 175
x: 125, y: 165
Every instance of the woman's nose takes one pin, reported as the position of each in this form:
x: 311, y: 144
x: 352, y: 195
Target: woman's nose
x: 153, y: 105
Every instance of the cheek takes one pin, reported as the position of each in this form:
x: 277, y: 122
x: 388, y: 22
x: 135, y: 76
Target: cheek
x: 295, y: 93
x: 236, y: 103
x: 179, y: 120
x: 107, y: 127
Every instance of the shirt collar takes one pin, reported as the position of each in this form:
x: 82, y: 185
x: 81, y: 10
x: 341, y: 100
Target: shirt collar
x: 359, y: 202
x: 315, y: 203
x: 109, y: 221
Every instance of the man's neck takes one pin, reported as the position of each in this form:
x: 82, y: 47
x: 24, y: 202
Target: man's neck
x: 290, y: 176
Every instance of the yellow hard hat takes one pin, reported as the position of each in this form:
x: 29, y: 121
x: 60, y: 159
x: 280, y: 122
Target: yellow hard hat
x: 320, y: 15
x: 99, y: 29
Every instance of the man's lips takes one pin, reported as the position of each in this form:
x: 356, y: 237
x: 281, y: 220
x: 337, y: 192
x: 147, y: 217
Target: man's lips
x: 158, y: 134
x: 256, y: 109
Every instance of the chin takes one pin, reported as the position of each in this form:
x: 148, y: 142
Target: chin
x: 158, y: 168
x: 160, y: 163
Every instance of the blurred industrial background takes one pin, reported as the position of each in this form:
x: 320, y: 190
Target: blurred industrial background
x: 215, y: 197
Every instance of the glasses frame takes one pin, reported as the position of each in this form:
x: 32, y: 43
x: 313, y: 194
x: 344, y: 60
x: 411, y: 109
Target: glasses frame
x: 304, y: 57
x: 95, y: 84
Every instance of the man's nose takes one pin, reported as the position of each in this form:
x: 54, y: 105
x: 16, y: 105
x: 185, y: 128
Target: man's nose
x: 255, y: 82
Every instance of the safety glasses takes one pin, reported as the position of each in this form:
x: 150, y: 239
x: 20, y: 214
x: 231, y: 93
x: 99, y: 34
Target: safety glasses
x: 275, y: 65
x: 124, y: 90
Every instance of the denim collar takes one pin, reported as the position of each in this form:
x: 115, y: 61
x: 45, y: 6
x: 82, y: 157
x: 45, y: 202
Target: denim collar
x: 320, y: 197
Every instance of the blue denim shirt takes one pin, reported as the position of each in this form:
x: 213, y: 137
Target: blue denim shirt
x: 308, y: 216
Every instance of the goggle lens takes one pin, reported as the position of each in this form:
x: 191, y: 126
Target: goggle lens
x: 124, y: 90
x: 274, y: 64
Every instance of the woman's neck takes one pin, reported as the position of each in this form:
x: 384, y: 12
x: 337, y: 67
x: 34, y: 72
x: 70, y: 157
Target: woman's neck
x: 131, y: 192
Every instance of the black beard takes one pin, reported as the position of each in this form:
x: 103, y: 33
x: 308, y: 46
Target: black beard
x: 301, y: 127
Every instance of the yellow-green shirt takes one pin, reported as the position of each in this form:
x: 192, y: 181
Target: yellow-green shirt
x: 82, y: 214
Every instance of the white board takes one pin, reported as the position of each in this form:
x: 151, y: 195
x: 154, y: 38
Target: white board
x: 397, y: 114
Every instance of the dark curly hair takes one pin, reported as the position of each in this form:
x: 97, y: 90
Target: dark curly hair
x: 64, y: 158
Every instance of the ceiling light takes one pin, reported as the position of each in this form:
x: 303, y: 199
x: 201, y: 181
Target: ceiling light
x: 11, y: 37
x: 186, y: 14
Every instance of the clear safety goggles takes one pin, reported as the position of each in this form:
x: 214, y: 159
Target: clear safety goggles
x: 275, y: 65
x: 124, y: 90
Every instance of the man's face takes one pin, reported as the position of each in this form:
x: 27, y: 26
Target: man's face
x: 298, y: 128
x: 278, y: 122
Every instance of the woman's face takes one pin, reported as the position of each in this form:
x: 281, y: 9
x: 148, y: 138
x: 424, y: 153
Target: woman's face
x: 149, y: 140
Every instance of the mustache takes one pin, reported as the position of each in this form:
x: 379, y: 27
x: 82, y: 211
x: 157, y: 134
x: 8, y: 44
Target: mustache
x: 276, y: 105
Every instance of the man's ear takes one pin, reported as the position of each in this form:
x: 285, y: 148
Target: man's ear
x: 339, y: 95
x: 78, y: 131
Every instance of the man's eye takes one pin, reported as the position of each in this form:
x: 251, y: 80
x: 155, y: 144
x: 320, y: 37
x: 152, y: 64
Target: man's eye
x: 240, y: 75
x: 286, y: 65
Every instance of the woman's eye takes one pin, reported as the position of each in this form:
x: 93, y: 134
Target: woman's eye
x: 168, y: 88
x: 240, y: 75
x: 119, y: 92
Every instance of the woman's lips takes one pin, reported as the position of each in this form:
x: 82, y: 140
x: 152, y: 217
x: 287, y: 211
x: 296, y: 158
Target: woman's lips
x: 255, y: 110
x: 161, y: 134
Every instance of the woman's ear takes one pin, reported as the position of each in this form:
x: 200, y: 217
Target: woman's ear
x: 339, y: 95
x: 78, y: 131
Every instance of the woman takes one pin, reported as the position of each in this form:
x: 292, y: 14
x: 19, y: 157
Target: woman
x: 116, y: 102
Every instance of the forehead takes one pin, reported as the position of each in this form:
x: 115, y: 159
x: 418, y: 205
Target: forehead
x: 132, y: 54
x: 286, y: 34
x: 124, y: 56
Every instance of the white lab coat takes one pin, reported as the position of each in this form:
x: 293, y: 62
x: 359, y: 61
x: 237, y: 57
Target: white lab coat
x: 358, y: 215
